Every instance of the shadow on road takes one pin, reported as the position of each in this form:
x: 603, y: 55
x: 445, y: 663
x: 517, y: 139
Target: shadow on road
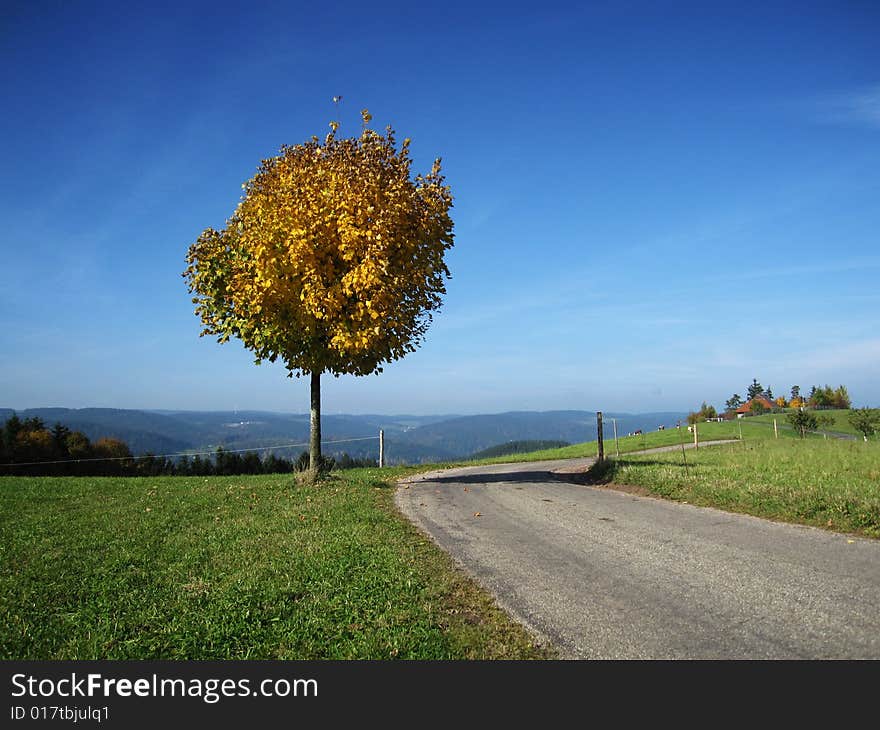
x: 598, y: 474
x: 512, y: 476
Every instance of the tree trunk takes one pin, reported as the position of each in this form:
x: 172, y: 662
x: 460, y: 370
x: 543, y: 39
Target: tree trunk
x: 315, y: 425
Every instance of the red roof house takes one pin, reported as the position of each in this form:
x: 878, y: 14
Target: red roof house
x: 747, y: 406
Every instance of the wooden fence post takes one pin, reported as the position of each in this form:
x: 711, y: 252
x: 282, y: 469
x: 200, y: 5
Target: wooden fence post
x: 381, y: 448
x: 599, y: 436
x: 683, y: 457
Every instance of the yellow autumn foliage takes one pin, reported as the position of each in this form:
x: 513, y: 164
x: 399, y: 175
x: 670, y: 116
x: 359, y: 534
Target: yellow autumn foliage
x: 333, y: 261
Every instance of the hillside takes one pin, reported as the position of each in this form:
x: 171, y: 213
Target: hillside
x: 840, y: 425
x: 408, y: 439
x: 143, y: 431
x: 469, y: 434
x: 517, y: 447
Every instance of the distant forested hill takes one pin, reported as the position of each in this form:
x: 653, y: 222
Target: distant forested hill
x: 469, y: 434
x: 408, y: 439
x: 141, y: 430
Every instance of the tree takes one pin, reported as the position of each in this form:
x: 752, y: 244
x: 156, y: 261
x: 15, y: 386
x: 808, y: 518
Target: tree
x: 821, y: 397
x: 733, y: 402
x: 704, y: 414
x: 829, y: 397
x: 275, y: 465
x: 34, y: 423
x: 865, y: 420
x: 59, y: 441
x: 795, y: 392
x: 11, y: 429
x: 755, y: 389
x: 34, y: 445
x: 17, y: 438
x: 117, y: 455
x: 227, y: 463
x: 768, y: 394
x: 183, y: 468
x: 201, y: 467
x: 79, y: 447
x: 757, y: 408
x: 803, y: 422
x: 824, y: 421
x: 332, y: 262
x: 251, y: 464
x: 780, y: 402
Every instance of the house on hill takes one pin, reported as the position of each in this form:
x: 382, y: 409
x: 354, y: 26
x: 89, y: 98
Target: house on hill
x: 746, y: 408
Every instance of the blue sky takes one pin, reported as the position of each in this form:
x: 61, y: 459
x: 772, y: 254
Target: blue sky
x: 653, y: 205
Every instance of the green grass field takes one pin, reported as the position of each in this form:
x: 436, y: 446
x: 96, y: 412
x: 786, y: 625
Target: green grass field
x: 841, y: 422
x: 748, y: 429
x: 232, y: 568
x: 833, y: 484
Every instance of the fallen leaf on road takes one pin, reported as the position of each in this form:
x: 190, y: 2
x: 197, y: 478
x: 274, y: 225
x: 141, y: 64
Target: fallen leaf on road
x: 478, y: 514
x: 850, y: 541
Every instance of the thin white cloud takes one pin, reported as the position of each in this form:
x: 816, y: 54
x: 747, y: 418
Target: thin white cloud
x: 855, y: 263
x: 859, y: 106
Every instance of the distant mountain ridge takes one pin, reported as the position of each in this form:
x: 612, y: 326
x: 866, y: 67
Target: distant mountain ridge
x: 408, y: 439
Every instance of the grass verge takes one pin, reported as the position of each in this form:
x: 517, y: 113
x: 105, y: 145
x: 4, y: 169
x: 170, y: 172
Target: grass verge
x: 244, y: 567
x: 831, y: 484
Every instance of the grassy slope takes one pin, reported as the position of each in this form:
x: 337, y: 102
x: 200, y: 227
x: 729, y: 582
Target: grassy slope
x: 841, y: 421
x: 232, y: 567
x: 833, y: 484
x: 750, y: 428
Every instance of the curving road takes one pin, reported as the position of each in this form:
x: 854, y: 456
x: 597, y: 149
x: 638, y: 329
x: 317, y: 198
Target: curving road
x: 604, y: 574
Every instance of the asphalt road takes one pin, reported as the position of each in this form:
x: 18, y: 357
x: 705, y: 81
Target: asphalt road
x: 604, y: 574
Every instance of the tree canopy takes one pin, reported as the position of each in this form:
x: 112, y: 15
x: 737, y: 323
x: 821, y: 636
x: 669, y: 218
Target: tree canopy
x: 333, y: 260
x: 803, y: 421
x: 865, y: 420
x: 755, y: 389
